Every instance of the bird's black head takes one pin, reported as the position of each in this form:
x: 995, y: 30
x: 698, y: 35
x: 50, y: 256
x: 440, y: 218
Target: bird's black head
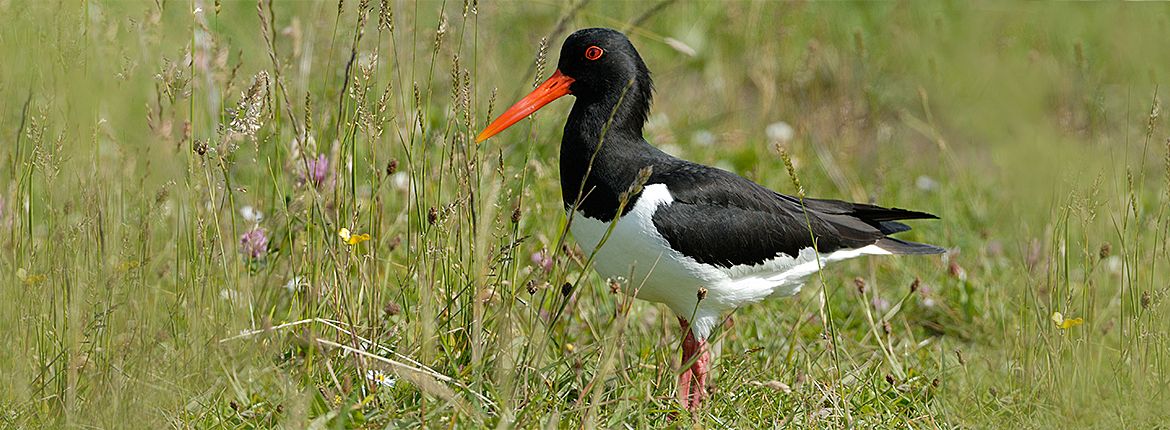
x: 602, y: 62
x: 597, y: 65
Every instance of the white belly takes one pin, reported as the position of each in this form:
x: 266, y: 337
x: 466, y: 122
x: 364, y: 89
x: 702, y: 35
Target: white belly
x: 636, y: 253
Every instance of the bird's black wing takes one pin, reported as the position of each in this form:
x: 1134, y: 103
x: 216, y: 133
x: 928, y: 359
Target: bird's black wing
x: 720, y: 218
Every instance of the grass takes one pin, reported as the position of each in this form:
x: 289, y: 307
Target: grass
x: 137, y: 135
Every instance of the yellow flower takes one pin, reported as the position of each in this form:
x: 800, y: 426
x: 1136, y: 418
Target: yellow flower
x: 350, y: 238
x: 1065, y: 324
x: 27, y: 278
x: 128, y: 265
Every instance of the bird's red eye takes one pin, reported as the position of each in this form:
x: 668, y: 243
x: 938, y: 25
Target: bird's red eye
x: 593, y: 53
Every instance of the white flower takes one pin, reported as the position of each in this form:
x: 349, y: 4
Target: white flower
x: 1114, y: 264
x: 251, y: 214
x: 926, y: 183
x: 380, y: 378
x: 401, y: 180
x: 295, y: 283
x: 779, y: 132
x: 232, y: 296
x: 704, y: 138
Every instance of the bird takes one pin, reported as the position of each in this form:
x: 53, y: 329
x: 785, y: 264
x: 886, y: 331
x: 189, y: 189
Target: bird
x: 699, y: 239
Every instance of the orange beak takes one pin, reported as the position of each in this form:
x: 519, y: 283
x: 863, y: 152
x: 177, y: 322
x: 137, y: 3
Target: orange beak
x: 554, y: 88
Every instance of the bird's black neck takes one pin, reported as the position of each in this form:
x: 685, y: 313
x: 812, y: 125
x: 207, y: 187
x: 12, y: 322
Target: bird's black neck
x: 602, y: 150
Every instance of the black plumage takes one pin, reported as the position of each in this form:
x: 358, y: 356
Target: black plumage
x: 717, y: 217
x: 701, y: 240
x: 720, y: 218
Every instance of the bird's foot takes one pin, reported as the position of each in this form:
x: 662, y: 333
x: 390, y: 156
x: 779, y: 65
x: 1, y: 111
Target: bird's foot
x: 692, y: 383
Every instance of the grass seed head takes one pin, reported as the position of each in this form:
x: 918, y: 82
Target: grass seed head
x: 386, y: 17
x: 200, y: 147
x: 392, y: 309
x: 541, y: 57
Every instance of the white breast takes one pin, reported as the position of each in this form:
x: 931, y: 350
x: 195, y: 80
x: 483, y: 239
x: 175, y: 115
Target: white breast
x: 636, y: 252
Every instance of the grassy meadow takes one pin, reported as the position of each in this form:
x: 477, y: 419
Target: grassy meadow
x: 247, y: 214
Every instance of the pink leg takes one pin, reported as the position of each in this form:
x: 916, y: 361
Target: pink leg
x: 692, y: 383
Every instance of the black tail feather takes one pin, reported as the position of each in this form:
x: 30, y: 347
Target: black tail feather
x: 901, y: 247
x: 867, y: 212
x: 892, y: 227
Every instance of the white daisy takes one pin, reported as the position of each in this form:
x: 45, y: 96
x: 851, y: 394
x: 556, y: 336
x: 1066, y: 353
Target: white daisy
x: 380, y: 378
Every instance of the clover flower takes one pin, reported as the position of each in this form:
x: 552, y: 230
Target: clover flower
x: 317, y: 171
x: 542, y: 259
x: 254, y: 243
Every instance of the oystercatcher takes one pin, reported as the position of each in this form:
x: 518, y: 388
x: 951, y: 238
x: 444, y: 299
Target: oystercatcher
x: 701, y: 240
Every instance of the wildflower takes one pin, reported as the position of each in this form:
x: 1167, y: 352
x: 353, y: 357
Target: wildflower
x: 542, y: 259
x: 703, y: 138
x: 295, y: 283
x: 775, y: 385
x: 926, y: 183
x: 350, y: 238
x: 400, y: 181
x: 1114, y: 264
x: 1065, y: 324
x: 251, y: 214
x: 128, y: 265
x: 928, y: 298
x: 380, y: 378
x: 27, y: 278
x: 317, y: 171
x: 254, y: 243
x: 234, y: 297
x: 779, y: 132
x: 957, y: 271
x: 880, y: 304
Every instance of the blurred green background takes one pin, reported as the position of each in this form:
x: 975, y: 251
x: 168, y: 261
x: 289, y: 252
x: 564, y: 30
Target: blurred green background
x: 141, y: 139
